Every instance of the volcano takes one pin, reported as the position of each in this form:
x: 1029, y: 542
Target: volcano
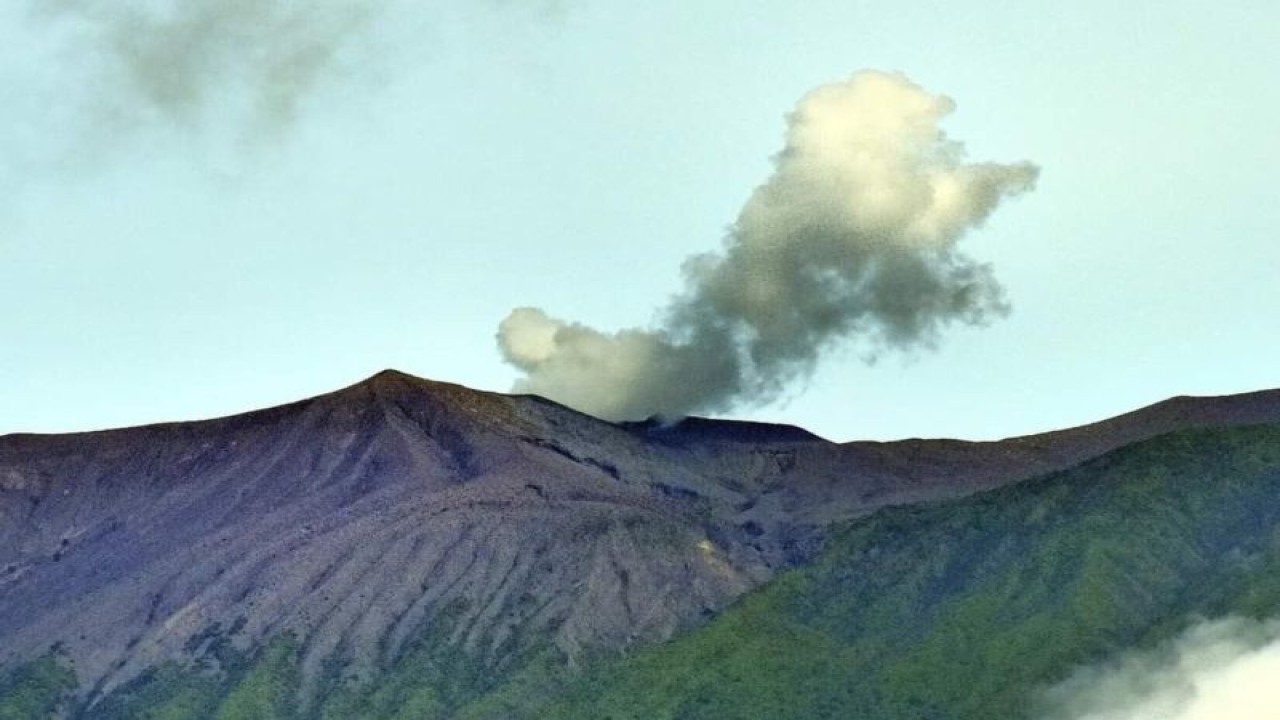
x: 406, y: 518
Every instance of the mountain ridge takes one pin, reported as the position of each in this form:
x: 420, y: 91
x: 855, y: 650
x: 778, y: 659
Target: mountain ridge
x: 1161, y: 416
x: 505, y: 526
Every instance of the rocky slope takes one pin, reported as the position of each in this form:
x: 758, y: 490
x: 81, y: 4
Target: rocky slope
x: 356, y: 522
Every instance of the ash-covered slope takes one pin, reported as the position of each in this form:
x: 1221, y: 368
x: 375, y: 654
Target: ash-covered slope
x: 358, y: 522
x: 351, y: 520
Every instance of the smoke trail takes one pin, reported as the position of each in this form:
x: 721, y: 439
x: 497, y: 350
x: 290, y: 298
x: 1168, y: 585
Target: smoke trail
x: 854, y: 235
x: 1223, y: 670
x: 183, y: 60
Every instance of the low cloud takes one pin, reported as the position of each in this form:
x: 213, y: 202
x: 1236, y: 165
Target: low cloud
x: 1222, y: 670
x: 854, y: 236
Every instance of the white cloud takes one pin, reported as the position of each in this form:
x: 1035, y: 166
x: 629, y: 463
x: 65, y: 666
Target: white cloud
x: 1223, y: 670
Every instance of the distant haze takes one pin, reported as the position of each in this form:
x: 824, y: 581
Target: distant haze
x: 854, y: 237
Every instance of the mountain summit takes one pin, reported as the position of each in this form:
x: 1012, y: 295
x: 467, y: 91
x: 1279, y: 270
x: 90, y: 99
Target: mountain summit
x: 401, y: 515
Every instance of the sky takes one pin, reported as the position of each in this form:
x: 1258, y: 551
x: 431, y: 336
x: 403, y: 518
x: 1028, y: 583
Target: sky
x: 218, y: 206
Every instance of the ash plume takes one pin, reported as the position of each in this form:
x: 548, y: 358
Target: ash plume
x: 1223, y: 670
x: 852, y: 238
x: 185, y: 60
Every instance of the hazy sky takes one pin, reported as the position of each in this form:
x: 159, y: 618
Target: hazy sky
x: 214, y: 206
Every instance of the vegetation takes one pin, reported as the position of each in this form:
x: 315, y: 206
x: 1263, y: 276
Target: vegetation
x: 40, y: 689
x: 431, y: 679
x: 963, y: 610
x: 225, y: 685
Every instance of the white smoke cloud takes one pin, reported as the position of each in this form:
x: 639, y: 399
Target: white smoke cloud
x: 854, y: 235
x: 186, y: 61
x: 1223, y: 670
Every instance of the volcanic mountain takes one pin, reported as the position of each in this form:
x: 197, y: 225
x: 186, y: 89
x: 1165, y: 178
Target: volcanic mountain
x: 404, y: 518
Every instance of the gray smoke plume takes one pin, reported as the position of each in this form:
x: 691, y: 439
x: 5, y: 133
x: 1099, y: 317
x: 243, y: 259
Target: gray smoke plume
x: 853, y: 236
x: 1222, y: 670
x: 182, y: 60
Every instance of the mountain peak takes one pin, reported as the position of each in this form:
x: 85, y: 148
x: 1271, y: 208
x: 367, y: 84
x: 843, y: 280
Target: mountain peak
x: 392, y: 384
x: 426, y: 401
x: 393, y: 375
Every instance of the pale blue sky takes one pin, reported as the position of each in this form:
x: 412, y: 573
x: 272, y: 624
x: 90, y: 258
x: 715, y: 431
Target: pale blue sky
x: 483, y: 156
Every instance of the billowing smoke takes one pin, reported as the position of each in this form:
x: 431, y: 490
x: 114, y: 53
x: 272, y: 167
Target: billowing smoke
x: 182, y: 60
x: 853, y: 236
x: 1224, y: 670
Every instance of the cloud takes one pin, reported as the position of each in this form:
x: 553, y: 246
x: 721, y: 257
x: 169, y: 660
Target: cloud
x: 853, y: 236
x: 192, y: 62
x: 1222, y: 670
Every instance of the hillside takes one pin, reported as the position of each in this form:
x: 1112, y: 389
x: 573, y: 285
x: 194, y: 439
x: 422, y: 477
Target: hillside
x: 404, y: 547
x: 965, y: 609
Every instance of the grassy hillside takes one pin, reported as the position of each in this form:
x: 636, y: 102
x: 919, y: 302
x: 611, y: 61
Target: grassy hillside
x: 955, y: 611
x: 40, y: 689
x: 962, y: 610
